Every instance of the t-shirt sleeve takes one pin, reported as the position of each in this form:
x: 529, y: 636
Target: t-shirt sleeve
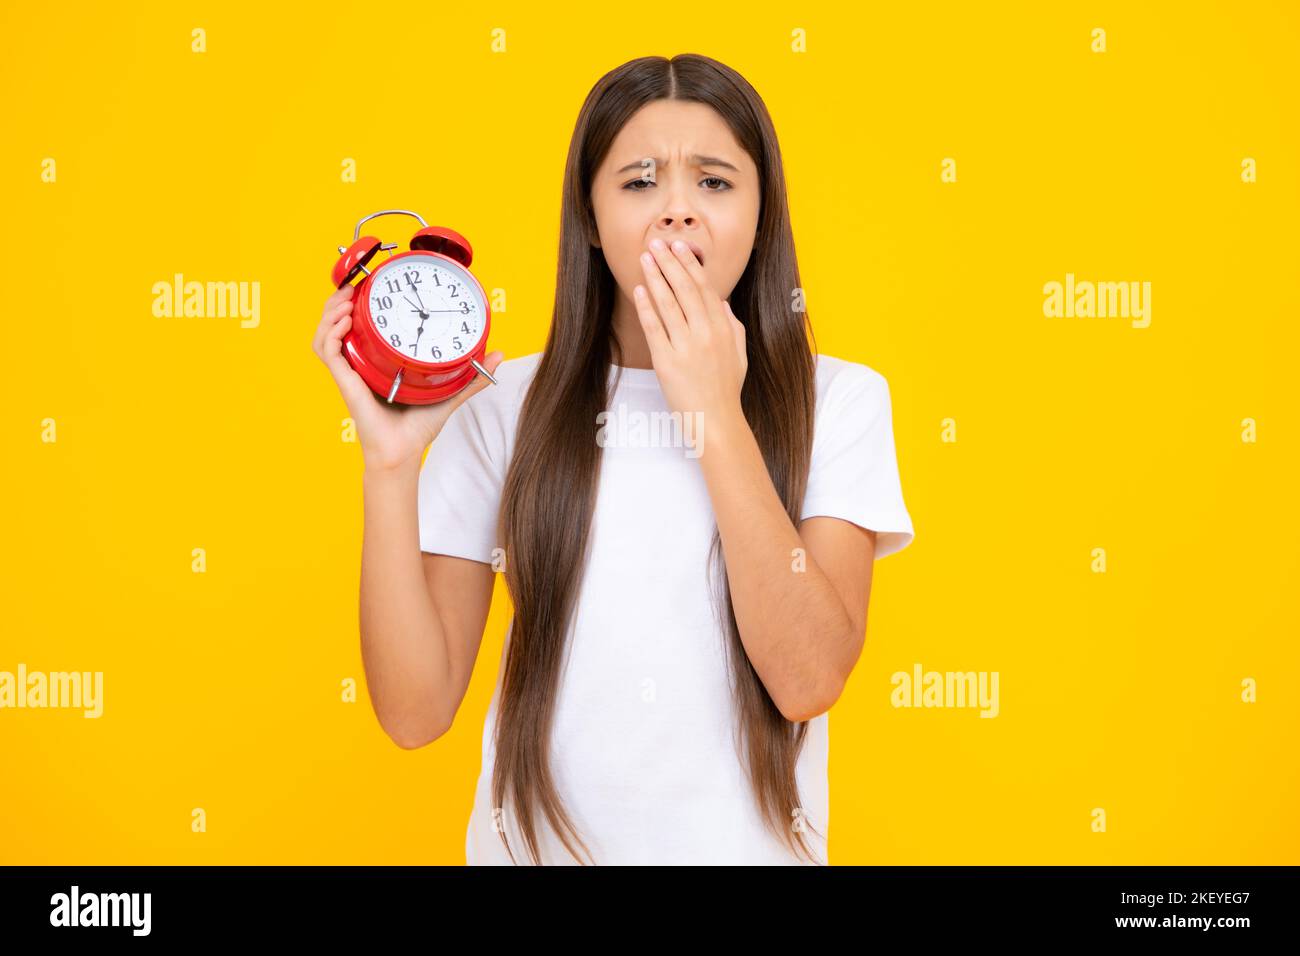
x: 854, y: 470
x: 461, y: 480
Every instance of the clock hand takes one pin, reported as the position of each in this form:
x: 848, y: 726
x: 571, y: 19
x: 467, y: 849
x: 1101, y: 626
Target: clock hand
x: 408, y: 299
x: 415, y: 349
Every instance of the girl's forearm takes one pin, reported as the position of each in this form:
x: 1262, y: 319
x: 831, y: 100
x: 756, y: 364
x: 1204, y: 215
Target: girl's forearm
x: 403, y: 646
x: 794, y: 626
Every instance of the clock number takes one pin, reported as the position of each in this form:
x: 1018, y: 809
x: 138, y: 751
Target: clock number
x: 397, y: 342
x: 437, y: 352
x: 413, y: 278
x: 464, y: 327
x: 464, y: 308
x: 452, y: 287
x: 381, y: 321
x: 394, y: 285
x: 456, y: 342
x: 384, y: 301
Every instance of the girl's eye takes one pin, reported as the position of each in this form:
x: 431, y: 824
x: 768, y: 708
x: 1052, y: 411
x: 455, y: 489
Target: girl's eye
x: 709, y: 179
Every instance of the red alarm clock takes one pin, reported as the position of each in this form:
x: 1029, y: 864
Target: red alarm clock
x: 420, y: 320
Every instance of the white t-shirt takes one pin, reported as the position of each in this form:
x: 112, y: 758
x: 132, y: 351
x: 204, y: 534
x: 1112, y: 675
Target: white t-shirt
x: 642, y: 750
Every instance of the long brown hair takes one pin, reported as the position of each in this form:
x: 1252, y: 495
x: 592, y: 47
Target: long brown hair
x: 550, y: 486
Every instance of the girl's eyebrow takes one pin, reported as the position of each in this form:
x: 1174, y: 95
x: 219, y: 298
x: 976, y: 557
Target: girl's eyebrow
x: 697, y: 159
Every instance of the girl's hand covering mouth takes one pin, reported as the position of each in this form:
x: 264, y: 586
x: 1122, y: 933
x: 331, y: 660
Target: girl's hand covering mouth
x: 696, y: 342
x: 694, y: 247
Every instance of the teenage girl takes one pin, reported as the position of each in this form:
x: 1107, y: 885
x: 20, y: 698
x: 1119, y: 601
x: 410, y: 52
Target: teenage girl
x: 688, y: 601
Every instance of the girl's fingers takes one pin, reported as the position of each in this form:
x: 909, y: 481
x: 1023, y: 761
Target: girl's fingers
x: 329, y: 337
x: 334, y: 338
x: 330, y: 316
x: 655, y: 335
x: 732, y: 316
x: 479, y: 383
x: 686, y: 276
x: 738, y: 328
x: 661, y: 294
x: 336, y: 320
x: 342, y: 297
x: 350, y: 383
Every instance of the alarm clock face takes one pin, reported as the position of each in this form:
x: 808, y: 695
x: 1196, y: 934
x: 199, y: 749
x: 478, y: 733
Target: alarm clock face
x: 427, y: 308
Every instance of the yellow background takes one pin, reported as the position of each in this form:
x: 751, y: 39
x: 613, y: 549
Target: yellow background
x: 1119, y: 690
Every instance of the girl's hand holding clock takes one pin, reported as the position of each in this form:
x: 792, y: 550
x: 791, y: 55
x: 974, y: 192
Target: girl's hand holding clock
x: 392, y: 437
x: 696, y: 342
